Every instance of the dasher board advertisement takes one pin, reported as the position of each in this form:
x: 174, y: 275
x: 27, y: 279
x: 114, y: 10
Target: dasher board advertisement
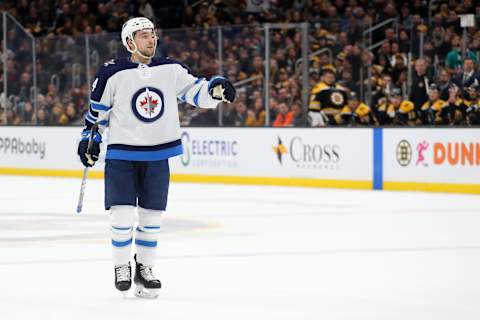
x: 37, y: 148
x: 269, y: 152
x: 431, y: 155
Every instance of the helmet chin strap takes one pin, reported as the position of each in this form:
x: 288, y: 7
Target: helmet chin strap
x: 138, y: 51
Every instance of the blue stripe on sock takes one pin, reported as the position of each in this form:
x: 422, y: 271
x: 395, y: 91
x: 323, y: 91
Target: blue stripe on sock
x: 145, y: 243
x: 148, y: 227
x: 120, y: 244
x: 122, y: 228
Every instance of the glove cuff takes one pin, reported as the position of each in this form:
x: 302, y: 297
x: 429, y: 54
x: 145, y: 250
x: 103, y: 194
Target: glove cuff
x: 97, y: 137
x: 215, y: 81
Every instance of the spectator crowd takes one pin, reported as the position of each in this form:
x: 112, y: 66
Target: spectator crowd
x: 413, y: 70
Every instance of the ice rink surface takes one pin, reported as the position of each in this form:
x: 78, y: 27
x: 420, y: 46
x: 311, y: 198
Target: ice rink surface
x: 242, y: 252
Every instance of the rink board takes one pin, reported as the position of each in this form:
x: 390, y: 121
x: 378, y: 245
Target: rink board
x: 274, y: 156
x: 300, y: 157
x: 443, y: 160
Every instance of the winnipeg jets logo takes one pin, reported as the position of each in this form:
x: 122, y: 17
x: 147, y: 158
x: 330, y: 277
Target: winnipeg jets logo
x: 148, y: 104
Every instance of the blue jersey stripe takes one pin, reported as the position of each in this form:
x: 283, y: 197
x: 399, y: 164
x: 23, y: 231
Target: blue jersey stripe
x: 196, y: 96
x: 184, y: 97
x: 92, y: 114
x: 144, y: 155
x: 162, y: 146
x: 145, y: 243
x: 90, y: 118
x: 99, y: 107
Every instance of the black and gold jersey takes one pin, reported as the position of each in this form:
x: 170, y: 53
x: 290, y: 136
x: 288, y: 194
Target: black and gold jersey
x: 360, y: 116
x: 344, y: 117
x: 328, y: 99
x: 430, y: 111
x: 387, y: 114
x: 472, y: 116
x: 453, y: 113
x: 363, y: 115
x: 384, y: 114
x: 406, y: 114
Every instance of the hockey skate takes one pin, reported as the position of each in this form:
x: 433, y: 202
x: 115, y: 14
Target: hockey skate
x: 123, y: 278
x: 147, y: 286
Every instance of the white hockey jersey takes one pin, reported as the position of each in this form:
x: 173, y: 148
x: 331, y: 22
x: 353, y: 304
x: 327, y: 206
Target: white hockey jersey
x: 142, y: 104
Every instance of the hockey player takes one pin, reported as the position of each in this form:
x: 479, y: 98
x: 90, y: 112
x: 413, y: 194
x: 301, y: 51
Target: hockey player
x: 472, y: 114
x: 396, y: 110
x: 355, y: 113
x: 361, y: 113
x: 405, y: 112
x: 385, y: 111
x: 452, y: 112
x: 327, y: 100
x: 429, y: 113
x: 140, y: 96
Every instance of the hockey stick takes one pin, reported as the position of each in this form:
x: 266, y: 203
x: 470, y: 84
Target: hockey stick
x: 82, y: 190
x: 93, y: 130
x: 85, y: 170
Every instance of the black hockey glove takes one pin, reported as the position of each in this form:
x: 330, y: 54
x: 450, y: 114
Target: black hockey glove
x: 221, y: 89
x: 89, y: 147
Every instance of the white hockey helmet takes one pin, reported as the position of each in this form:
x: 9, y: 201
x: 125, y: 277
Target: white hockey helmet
x: 133, y: 25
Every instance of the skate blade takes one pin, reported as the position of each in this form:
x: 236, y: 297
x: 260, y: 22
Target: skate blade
x: 141, y: 292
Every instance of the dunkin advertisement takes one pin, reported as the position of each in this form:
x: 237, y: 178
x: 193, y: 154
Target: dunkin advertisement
x: 432, y: 155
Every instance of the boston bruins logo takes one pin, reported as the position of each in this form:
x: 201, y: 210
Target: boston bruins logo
x: 404, y: 153
x: 337, y: 99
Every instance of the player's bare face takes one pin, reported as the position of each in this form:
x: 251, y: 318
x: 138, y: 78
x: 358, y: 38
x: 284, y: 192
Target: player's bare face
x: 146, y: 42
x: 395, y: 100
x: 434, y: 95
x: 329, y: 78
x: 353, y: 104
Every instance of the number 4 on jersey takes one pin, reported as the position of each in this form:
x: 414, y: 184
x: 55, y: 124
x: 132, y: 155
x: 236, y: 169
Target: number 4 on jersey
x: 94, y: 84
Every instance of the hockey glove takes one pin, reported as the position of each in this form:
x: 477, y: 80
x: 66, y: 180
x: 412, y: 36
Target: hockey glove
x: 221, y: 89
x: 89, y: 147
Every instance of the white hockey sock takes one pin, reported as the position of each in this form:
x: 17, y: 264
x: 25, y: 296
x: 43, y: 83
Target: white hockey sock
x: 146, y: 235
x: 121, y: 218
